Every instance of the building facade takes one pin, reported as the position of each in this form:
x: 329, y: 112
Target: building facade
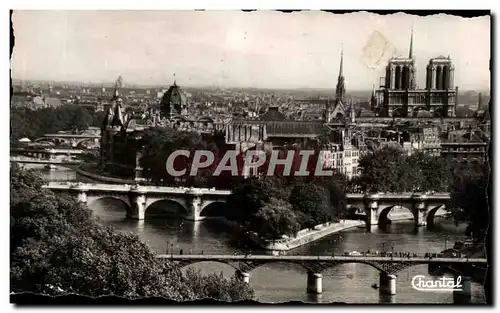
x: 400, y: 96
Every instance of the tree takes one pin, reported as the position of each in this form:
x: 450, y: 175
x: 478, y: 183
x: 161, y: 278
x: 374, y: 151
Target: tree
x: 24, y: 184
x: 275, y: 219
x: 312, y: 201
x: 34, y: 124
x: 246, y: 199
x: 434, y: 171
x: 469, y: 199
x: 379, y: 170
x: 160, y: 143
x: 336, y: 187
x: 391, y: 170
x: 215, y: 286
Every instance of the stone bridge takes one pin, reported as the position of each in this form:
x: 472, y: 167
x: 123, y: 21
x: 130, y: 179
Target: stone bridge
x: 387, y: 266
x: 46, y: 154
x: 74, y: 140
x: 138, y: 199
x: 376, y: 207
x: 24, y: 160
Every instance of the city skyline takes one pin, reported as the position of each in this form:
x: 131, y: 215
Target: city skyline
x: 228, y: 48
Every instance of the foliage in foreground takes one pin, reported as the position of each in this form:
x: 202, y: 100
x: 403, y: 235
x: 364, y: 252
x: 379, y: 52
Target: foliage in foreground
x: 58, y: 248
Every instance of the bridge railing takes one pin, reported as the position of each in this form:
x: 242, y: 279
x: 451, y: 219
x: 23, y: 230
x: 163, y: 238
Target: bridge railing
x: 420, y: 258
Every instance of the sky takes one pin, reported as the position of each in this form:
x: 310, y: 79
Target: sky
x: 262, y: 49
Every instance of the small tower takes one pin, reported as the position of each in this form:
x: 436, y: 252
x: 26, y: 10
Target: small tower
x: 413, y: 69
x: 373, y: 99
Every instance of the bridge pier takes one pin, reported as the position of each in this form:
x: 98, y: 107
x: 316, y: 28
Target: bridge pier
x: 314, y: 282
x: 194, y: 204
x: 464, y: 295
x: 82, y: 197
x: 244, y: 277
x: 81, y: 193
x: 138, y: 204
x: 387, y: 284
x: 420, y: 210
x: 371, y: 209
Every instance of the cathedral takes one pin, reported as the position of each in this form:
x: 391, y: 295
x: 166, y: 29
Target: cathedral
x: 400, y: 96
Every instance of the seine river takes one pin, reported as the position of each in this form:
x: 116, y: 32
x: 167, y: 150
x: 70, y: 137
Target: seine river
x: 350, y: 283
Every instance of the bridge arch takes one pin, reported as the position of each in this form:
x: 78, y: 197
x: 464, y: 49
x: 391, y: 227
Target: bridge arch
x: 384, y: 213
x: 381, y: 267
x: 432, y: 213
x: 126, y: 208
x: 309, y: 265
x: 215, y: 208
x: 165, y: 208
x: 81, y: 144
x: 247, y: 268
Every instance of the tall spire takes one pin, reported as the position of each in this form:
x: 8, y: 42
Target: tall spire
x: 411, y: 45
x: 340, y: 89
x: 175, y: 83
x: 341, y: 71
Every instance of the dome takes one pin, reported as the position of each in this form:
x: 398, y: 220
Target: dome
x: 174, y: 100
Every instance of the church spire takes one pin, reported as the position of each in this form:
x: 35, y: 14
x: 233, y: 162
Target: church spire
x: 175, y: 82
x: 341, y: 71
x: 411, y: 45
x: 340, y: 89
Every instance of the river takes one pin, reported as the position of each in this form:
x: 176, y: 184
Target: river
x: 281, y: 282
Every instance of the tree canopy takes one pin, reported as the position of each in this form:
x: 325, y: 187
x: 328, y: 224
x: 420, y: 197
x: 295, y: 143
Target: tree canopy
x: 34, y: 124
x: 392, y: 170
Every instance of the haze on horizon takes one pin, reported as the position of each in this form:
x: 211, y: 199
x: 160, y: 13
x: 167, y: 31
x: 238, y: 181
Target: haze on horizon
x: 262, y: 49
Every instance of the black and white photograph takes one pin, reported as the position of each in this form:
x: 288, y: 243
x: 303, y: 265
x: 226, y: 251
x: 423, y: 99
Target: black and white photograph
x: 258, y: 157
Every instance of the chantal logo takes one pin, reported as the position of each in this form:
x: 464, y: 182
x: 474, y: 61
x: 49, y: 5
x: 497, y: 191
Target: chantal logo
x: 421, y: 283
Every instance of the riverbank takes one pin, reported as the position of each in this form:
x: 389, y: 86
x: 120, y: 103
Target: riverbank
x: 307, y: 236
x: 303, y: 237
x: 84, y: 170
